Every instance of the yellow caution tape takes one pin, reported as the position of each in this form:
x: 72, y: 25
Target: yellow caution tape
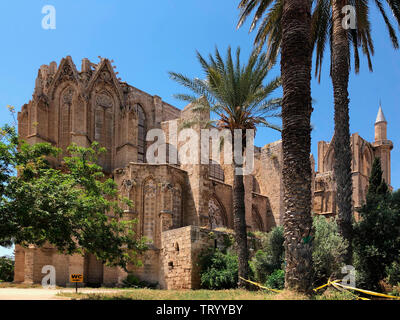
x: 372, y: 293
x: 325, y: 285
x: 260, y: 286
x: 336, y: 284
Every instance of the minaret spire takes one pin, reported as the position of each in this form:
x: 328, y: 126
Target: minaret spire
x: 380, y: 117
x: 382, y: 146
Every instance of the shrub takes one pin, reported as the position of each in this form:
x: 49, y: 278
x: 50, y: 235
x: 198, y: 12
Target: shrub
x: 270, y: 257
x: 334, y: 294
x: 131, y: 281
x: 396, y: 290
x: 276, y: 280
x: 218, y: 270
x: 393, y: 273
x: 328, y: 250
x: 6, y: 269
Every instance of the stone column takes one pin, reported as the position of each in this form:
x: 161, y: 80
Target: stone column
x: 29, y: 264
x: 19, y: 269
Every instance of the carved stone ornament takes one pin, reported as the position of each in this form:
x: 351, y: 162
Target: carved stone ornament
x: 126, y: 110
x: 129, y: 184
x: 67, y: 96
x: 150, y: 189
x: 66, y: 74
x: 104, y: 100
x: 104, y: 76
x: 165, y: 186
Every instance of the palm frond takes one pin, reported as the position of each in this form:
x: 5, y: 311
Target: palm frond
x: 392, y: 33
x: 233, y: 92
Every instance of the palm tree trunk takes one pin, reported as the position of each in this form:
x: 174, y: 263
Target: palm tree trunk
x: 240, y: 226
x: 342, y: 147
x: 296, y: 142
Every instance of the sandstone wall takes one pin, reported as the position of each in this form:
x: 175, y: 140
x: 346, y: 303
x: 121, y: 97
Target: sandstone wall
x: 181, y: 251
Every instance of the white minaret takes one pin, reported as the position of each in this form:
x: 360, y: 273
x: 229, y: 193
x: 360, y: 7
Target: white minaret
x: 382, y: 145
x: 380, y: 126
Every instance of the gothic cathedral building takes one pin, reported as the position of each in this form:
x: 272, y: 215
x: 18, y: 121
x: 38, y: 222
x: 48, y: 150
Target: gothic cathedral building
x: 176, y: 204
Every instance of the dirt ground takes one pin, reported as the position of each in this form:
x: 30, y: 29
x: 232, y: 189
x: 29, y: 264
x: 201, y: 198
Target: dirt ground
x: 41, y: 294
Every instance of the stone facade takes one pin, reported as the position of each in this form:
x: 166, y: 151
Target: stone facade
x: 176, y: 204
x: 363, y: 153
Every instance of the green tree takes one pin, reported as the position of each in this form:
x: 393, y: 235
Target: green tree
x: 238, y: 98
x: 271, y: 255
x: 276, y: 280
x: 393, y: 273
x: 218, y: 269
x: 376, y: 184
x: 329, y: 250
x: 76, y: 209
x: 377, y: 234
x: 6, y: 269
x: 326, y: 25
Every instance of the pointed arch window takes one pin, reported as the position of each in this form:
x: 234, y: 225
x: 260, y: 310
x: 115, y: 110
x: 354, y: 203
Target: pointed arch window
x: 65, y: 118
x: 141, y: 133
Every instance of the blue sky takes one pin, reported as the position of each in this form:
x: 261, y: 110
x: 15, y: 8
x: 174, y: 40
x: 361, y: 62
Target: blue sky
x: 146, y: 39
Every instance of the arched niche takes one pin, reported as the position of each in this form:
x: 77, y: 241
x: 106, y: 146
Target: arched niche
x: 258, y: 223
x: 256, y: 185
x: 367, y: 160
x: 216, y: 213
x: 127, y: 126
x: 329, y: 159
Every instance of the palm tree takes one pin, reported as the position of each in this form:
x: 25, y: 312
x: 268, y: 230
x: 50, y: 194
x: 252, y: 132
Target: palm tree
x: 236, y: 95
x: 293, y: 37
x: 296, y: 142
x: 340, y: 69
x: 326, y: 25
